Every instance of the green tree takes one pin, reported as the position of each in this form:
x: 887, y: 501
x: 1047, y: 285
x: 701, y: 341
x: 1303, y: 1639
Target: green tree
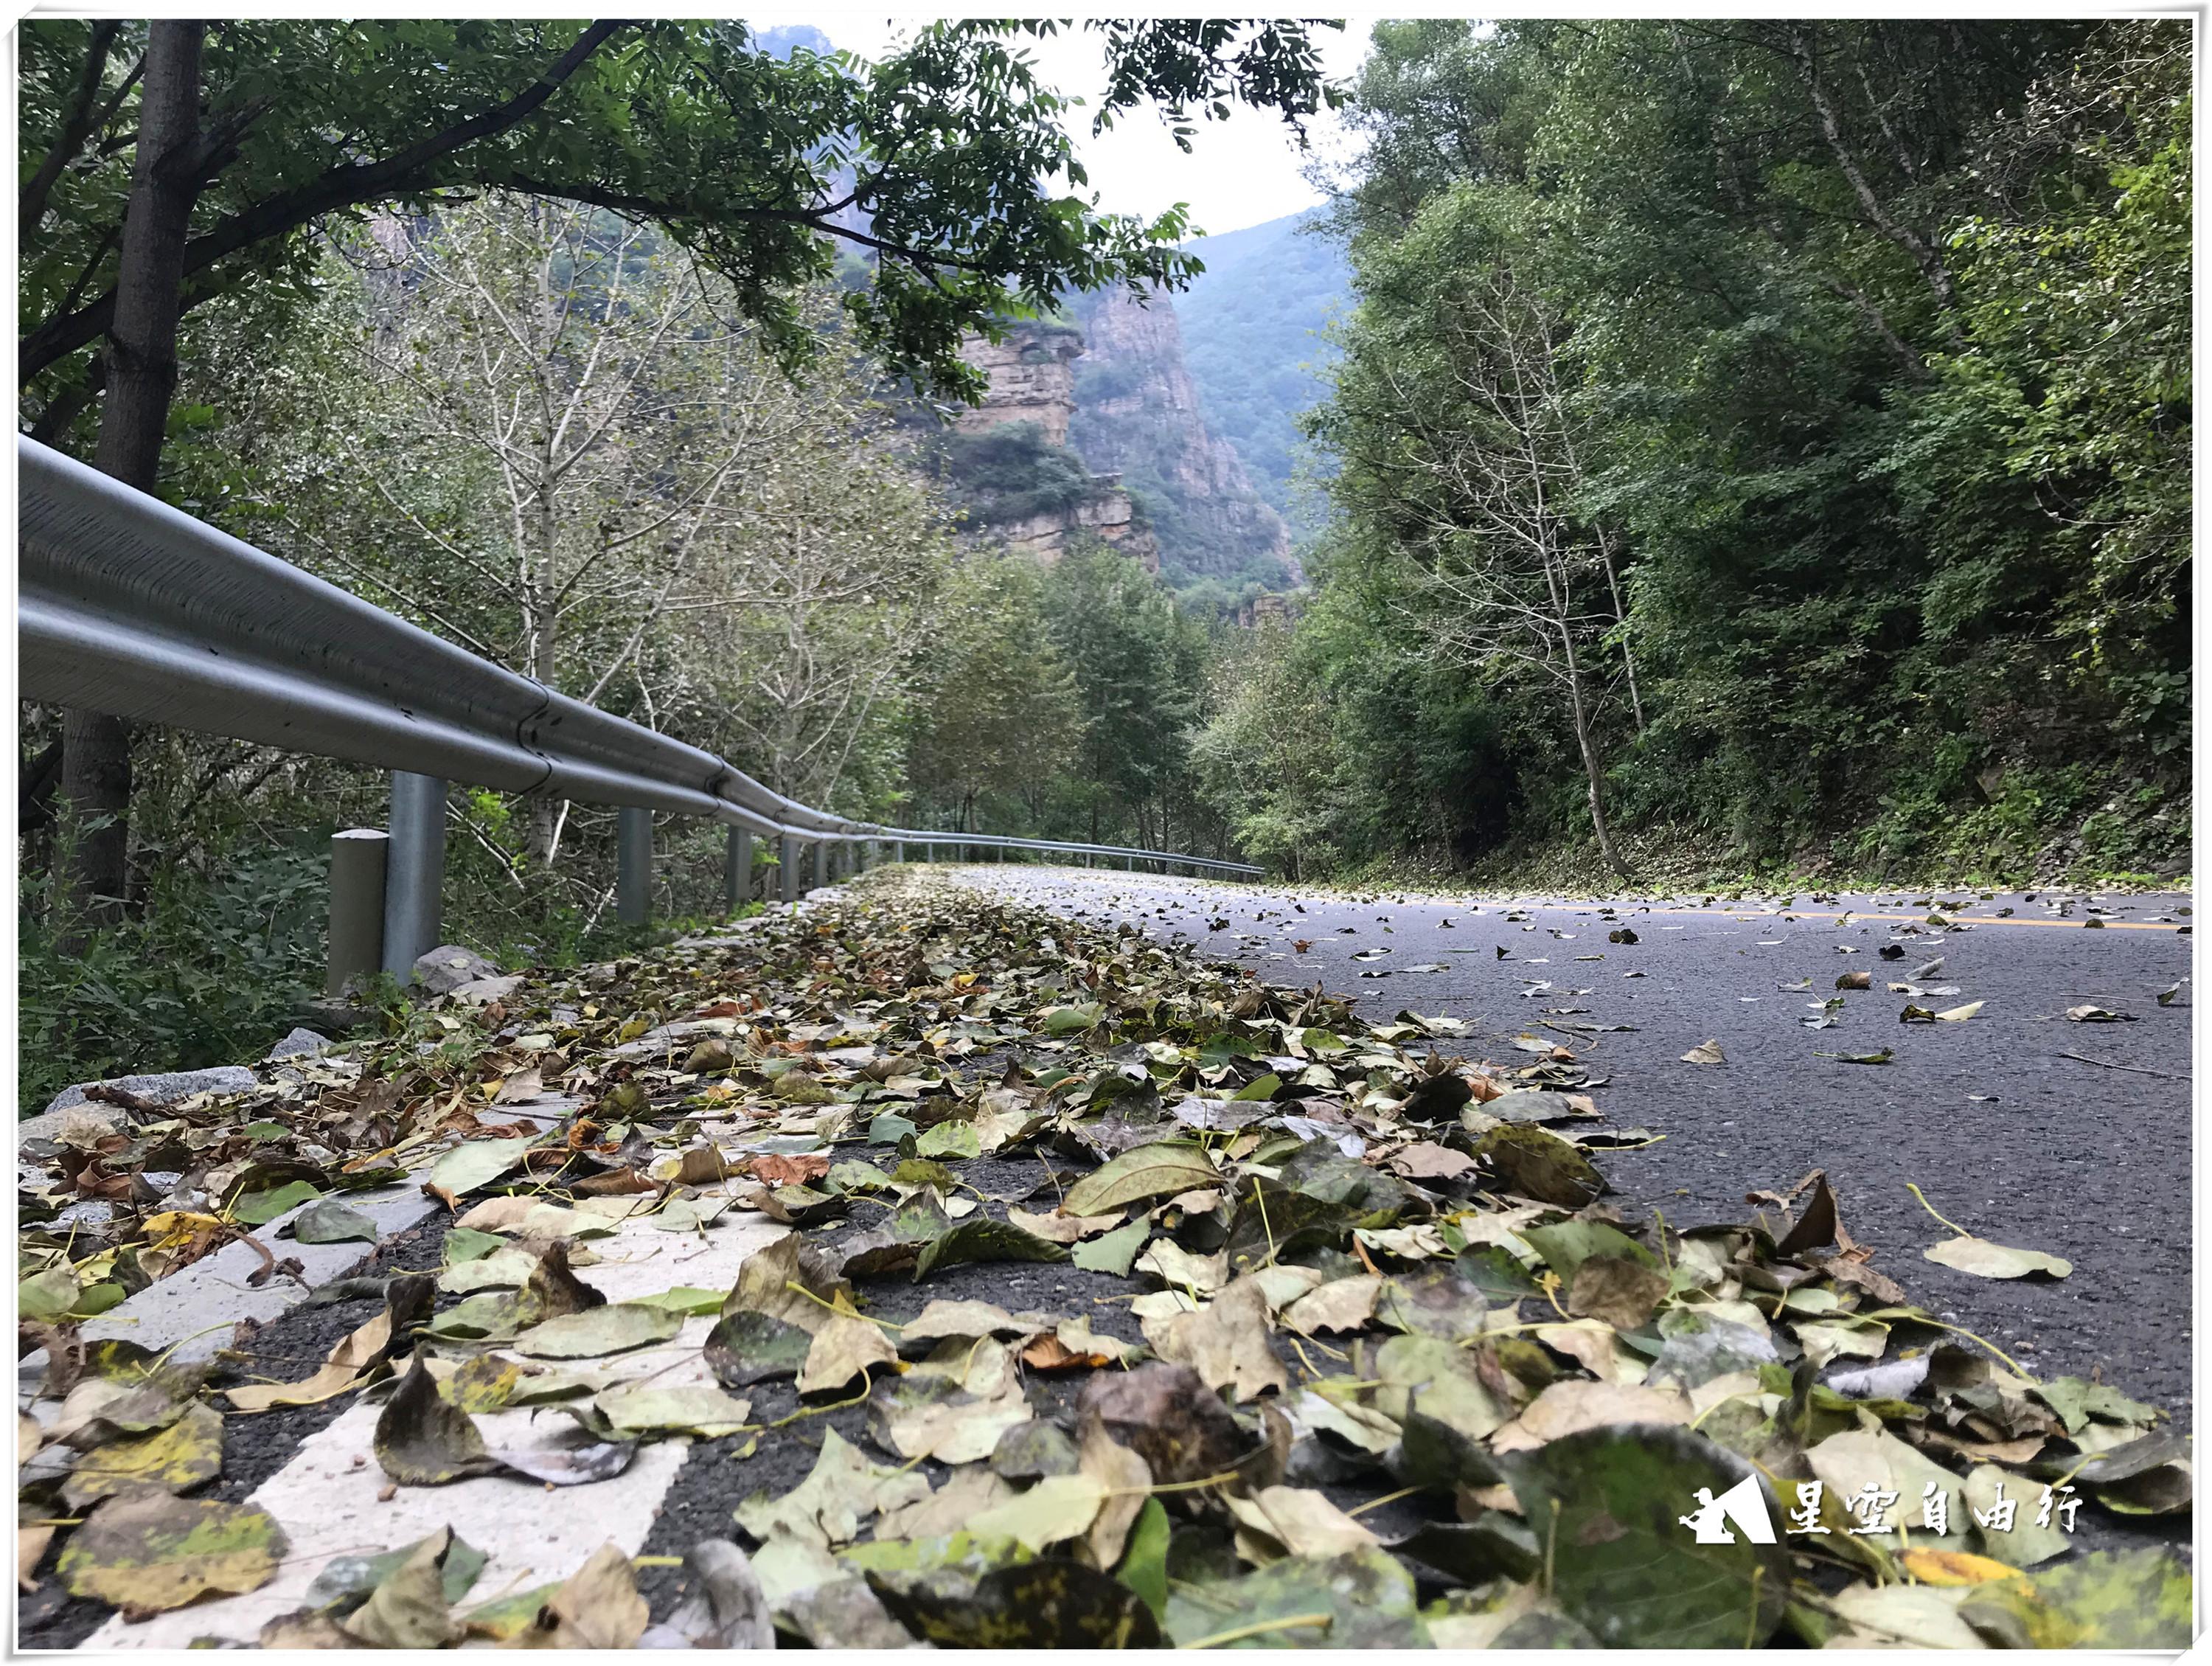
x: 1139, y: 664
x: 999, y: 721
x: 170, y: 164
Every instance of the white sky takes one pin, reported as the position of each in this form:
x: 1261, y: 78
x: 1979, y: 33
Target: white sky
x: 1240, y: 173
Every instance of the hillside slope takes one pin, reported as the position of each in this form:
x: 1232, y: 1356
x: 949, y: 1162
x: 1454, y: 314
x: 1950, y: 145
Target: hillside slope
x: 1252, y: 330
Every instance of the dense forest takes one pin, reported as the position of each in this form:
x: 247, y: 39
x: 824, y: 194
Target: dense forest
x: 1748, y: 448
x: 1769, y: 440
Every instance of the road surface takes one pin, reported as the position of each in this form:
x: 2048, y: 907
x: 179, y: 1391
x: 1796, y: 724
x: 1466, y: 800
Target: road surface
x: 2006, y: 1135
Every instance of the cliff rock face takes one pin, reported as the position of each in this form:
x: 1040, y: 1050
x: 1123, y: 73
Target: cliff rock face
x: 1032, y: 381
x: 1009, y: 464
x: 1137, y: 415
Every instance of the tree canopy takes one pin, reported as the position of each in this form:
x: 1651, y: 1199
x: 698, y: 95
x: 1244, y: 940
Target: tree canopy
x: 949, y: 163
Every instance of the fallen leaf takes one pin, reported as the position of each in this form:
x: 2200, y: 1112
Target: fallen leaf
x: 844, y: 1348
x: 150, y: 1551
x: 1156, y: 1170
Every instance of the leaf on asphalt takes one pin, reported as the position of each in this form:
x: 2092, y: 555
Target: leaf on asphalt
x: 1299, y: 1521
x: 151, y: 1552
x: 553, y: 1291
x: 1571, y: 1407
x: 746, y: 1348
x: 478, y: 1163
x: 1157, y: 1170
x: 1179, y: 1269
x: 409, y: 1608
x: 332, y: 1222
x: 935, y: 1417
x: 185, y: 1454
x: 423, y: 1440
x: 765, y: 1281
x: 2108, y: 1600
x: 1064, y: 1228
x: 1358, y: 1599
x: 2090, y: 1012
x: 724, y: 1606
x: 614, y: 1328
x: 846, y: 1348
x: 1845, y: 980
x: 1613, y: 1500
x: 1567, y: 1244
x: 597, y: 1607
x: 1986, y: 1260
x: 969, y: 1491
x: 633, y: 1409
x: 1030, y: 1451
x: 1167, y: 1415
x: 969, y: 1319
x: 984, y: 1240
x: 1225, y: 1342
x: 1433, y: 1302
x: 407, y: 1300
x: 1057, y: 1509
x: 1623, y: 1291
x: 1050, y: 1602
x: 1115, y: 1252
x: 1534, y: 1163
x: 1882, y: 1056
x: 1706, y: 1052
x: 843, y: 1490
x: 1340, y: 1305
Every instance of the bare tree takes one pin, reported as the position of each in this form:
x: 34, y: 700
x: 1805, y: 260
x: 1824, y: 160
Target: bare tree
x: 1509, y: 574
x: 563, y: 415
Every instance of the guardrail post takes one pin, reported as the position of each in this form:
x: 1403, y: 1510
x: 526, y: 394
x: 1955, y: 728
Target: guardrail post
x: 633, y: 864
x: 787, y: 870
x: 356, y: 932
x: 821, y: 863
x: 414, y: 871
x: 738, y: 869
x: 898, y: 851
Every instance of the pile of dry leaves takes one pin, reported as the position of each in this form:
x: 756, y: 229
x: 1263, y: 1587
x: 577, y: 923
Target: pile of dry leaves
x: 1359, y: 1356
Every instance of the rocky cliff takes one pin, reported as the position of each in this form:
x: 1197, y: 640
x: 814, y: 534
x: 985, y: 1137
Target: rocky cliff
x: 1137, y: 415
x: 1032, y: 381
x: 1007, y: 462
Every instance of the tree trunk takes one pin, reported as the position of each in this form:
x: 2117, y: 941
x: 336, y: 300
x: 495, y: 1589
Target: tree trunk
x: 1594, y: 776
x: 140, y: 377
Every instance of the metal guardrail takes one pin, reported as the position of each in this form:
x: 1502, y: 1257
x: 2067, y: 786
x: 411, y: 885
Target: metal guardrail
x: 129, y: 606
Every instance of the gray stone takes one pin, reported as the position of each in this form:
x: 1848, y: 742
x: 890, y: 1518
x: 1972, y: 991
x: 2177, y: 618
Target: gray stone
x: 448, y: 966
x: 164, y: 1089
x: 87, y: 1215
x: 483, y: 991
x: 301, y: 1043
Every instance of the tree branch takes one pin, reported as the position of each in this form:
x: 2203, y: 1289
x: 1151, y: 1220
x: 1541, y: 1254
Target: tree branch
x: 341, y: 187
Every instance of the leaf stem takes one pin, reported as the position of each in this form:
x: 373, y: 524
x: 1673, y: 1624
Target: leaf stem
x: 1931, y: 1207
x: 1261, y: 1628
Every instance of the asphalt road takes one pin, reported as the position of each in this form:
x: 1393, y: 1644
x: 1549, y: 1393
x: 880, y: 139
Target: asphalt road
x: 2005, y: 1135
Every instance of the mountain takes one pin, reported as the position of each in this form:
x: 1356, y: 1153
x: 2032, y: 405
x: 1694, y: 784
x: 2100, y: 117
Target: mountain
x: 1140, y: 418
x: 1252, y: 339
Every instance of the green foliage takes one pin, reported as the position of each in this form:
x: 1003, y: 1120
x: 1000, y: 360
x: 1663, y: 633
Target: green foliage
x: 1001, y: 719
x: 762, y: 159
x: 1010, y: 473
x: 211, y: 973
x: 1138, y: 663
x: 1875, y: 341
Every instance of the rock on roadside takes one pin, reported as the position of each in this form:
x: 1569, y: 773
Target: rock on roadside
x: 447, y: 967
